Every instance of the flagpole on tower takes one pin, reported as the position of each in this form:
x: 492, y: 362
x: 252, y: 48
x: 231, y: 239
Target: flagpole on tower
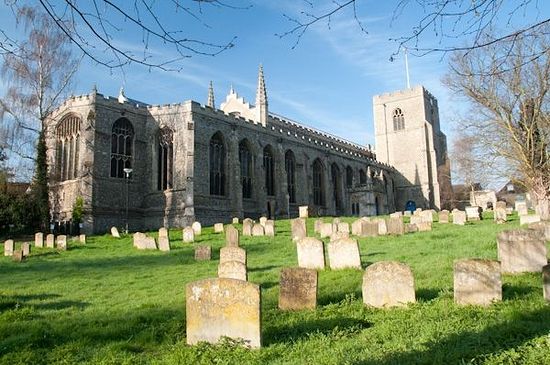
x: 407, y: 69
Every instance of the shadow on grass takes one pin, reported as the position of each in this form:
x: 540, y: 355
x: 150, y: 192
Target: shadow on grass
x: 337, y: 297
x: 38, y: 301
x: 512, y: 292
x: 426, y: 294
x: 264, y: 268
x: 465, y: 346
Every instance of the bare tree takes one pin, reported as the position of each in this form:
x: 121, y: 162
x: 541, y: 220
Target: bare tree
x: 511, y: 110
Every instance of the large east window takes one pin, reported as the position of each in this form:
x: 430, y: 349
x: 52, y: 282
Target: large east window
x: 68, y: 144
x: 122, y: 141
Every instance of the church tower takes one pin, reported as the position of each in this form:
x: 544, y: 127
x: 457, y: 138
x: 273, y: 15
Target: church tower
x: 408, y: 137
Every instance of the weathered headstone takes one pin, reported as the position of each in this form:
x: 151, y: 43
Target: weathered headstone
x: 416, y: 219
x: 258, y: 230
x: 82, y: 238
x: 500, y: 215
x: 382, y: 227
x: 317, y: 225
x: 203, y: 253
x: 370, y: 229
x: 411, y: 228
x: 407, y: 213
x: 424, y: 226
x: 444, y: 216
x: 232, y: 270
x: 311, y: 254
x: 62, y: 242
x: 528, y: 219
x: 335, y: 236
x: 521, y: 251
x: 472, y: 213
x: 356, y: 227
x: 247, y: 227
x: 303, y: 211
x: 39, y: 239
x: 188, y: 235
x: 137, y: 237
x: 263, y: 220
x: 396, y: 226
x: 218, y: 228
x: 269, y: 228
x: 9, y: 247
x: 388, y: 284
x: 459, y: 217
x: 298, y: 228
x: 297, y: 289
x: 521, y: 208
x: 477, y: 282
x: 427, y: 215
x: 26, y: 249
x: 344, y: 254
x: 114, y: 232
x: 50, y: 241
x: 232, y: 237
x: 546, y: 282
x: 325, y: 230
x: 217, y: 308
x: 543, y: 228
x: 17, y: 256
x: 418, y: 211
x: 164, y: 244
x: 142, y: 242
x: 235, y: 220
x: 343, y: 227
x: 396, y: 215
x: 233, y: 253
x: 163, y: 232
x: 197, y: 228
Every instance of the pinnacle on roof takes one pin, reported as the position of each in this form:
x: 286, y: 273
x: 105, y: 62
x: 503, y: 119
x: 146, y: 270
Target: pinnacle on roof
x: 261, y: 94
x: 121, y: 97
x: 211, y: 103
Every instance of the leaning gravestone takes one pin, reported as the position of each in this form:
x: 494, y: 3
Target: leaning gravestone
x: 203, y: 253
x: 9, y: 247
x: 26, y: 249
x: 114, y: 232
x: 528, y: 219
x: 62, y: 242
x: 521, y: 208
x: 388, y: 284
x: 546, y: 282
x: 188, y: 235
x: 444, y: 216
x: 298, y: 228
x: 217, y: 308
x: 303, y: 211
x: 472, y: 213
x: 269, y: 228
x: 258, y: 230
x: 164, y: 244
x: 325, y: 230
x: 521, y: 251
x: 218, y: 228
x: 263, y: 220
x: 232, y: 270
x: 459, y: 217
x: 500, y: 215
x: 297, y: 289
x: 396, y: 226
x: 50, y: 241
x: 344, y: 254
x: 163, y: 232
x: 231, y: 237
x: 39, y: 239
x: 232, y: 253
x: 477, y: 282
x: 197, y: 228
x: 311, y: 254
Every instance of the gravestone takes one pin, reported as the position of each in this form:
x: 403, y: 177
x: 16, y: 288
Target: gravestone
x: 343, y: 227
x: 269, y: 228
x: 477, y: 282
x: 396, y: 215
x: 142, y: 242
x: 325, y: 230
x: 114, y: 232
x: 297, y: 289
x: 356, y: 227
x: 62, y: 242
x: 303, y: 211
x: 247, y: 227
x: 39, y: 239
x: 257, y: 230
x: 235, y: 220
x: 370, y: 229
x: 26, y: 249
x: 17, y: 256
x: 263, y: 220
x: 500, y: 215
x: 197, y: 228
x: 521, y: 251
x: 416, y: 219
x: 137, y: 236
x: 163, y: 232
x: 344, y: 254
x: 217, y: 308
x: 188, y: 235
x: 233, y: 253
x: 443, y: 216
x: 407, y: 213
x: 472, y: 213
x: 388, y: 284
x: 317, y: 225
x: 459, y: 217
x: 232, y: 237
x: 411, y: 228
x: 521, y: 208
x: 528, y: 219
x: 9, y: 247
x: 338, y: 235
x: 164, y: 244
x: 218, y: 228
x: 396, y: 226
x: 336, y: 221
x: 50, y: 241
x: 543, y: 228
x: 232, y: 270
x: 418, y: 211
x: 382, y: 227
x: 424, y: 226
x: 311, y: 254
x: 298, y: 228
x: 203, y: 253
x: 427, y: 215
x: 82, y: 239
x: 546, y: 282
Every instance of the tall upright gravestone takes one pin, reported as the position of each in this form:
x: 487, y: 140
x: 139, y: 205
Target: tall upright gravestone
x: 39, y: 239
x: 396, y: 226
x: 218, y: 308
x: 9, y: 247
x: 50, y: 241
x: 344, y: 254
x: 297, y: 289
x: 388, y: 284
x: 311, y: 254
x: 231, y: 236
x: 298, y: 228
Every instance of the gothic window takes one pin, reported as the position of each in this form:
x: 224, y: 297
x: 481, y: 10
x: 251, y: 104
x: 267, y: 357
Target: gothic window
x: 349, y: 177
x: 398, y: 120
x: 122, y: 139
x: 336, y: 182
x: 165, y: 159
x: 318, y: 183
x: 217, y: 165
x: 68, y: 141
x: 245, y: 159
x: 269, y: 171
x: 290, y: 168
x: 362, y: 177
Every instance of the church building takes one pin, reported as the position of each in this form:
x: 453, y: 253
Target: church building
x: 146, y: 166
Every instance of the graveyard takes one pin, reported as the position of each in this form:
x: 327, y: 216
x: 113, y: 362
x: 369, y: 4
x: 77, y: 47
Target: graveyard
x: 101, y: 300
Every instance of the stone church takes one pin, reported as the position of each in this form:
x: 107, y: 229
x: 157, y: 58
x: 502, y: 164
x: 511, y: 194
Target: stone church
x: 147, y: 166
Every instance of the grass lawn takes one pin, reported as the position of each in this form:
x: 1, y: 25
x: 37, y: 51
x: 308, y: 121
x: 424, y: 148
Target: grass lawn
x: 108, y: 303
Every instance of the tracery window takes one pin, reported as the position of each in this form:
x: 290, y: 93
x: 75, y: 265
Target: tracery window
x: 245, y: 159
x: 362, y: 177
x: 68, y: 144
x: 122, y: 140
x: 269, y: 171
x: 217, y: 165
x: 336, y: 182
x: 398, y: 120
x: 165, y: 159
x: 318, y: 183
x: 349, y: 177
x: 290, y: 168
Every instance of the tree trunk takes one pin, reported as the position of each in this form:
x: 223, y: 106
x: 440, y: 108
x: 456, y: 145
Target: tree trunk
x: 543, y: 208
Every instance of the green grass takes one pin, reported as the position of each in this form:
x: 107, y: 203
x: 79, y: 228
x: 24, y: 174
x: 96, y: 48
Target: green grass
x: 107, y: 303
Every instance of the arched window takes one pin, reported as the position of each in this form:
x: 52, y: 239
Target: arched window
x: 269, y: 171
x: 290, y: 168
x: 245, y: 159
x: 398, y: 120
x: 362, y: 177
x: 68, y: 140
x: 349, y: 177
x: 122, y: 140
x: 318, y: 183
x: 336, y: 184
x: 217, y: 165
x: 165, y: 159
